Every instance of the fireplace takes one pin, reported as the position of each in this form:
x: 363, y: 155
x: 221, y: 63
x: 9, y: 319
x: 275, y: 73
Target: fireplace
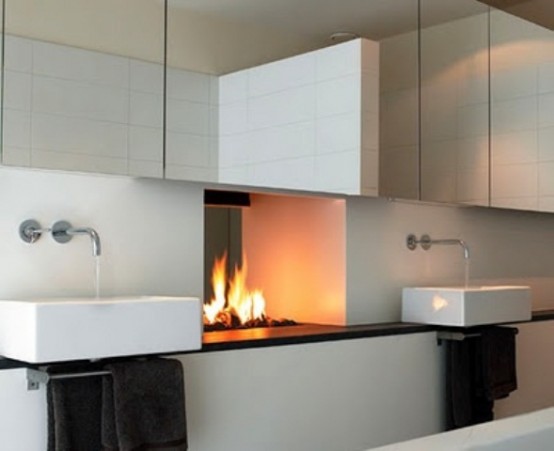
x: 234, y: 305
x: 282, y: 256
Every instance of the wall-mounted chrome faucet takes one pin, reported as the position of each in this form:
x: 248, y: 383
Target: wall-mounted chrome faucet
x: 63, y: 231
x: 426, y: 242
x: 30, y: 231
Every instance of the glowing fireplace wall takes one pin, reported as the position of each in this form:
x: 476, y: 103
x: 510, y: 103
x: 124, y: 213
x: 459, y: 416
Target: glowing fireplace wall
x: 296, y: 250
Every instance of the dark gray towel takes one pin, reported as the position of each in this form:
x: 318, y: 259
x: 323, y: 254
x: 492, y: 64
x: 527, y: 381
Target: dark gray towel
x: 479, y: 370
x: 74, y: 412
x: 498, y: 354
x: 143, y: 406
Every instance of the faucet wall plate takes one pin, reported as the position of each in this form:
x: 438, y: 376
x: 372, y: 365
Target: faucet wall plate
x: 411, y: 242
x: 59, y: 230
x: 30, y: 230
x: 425, y: 242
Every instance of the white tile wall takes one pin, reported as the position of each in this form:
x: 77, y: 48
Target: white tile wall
x: 454, y: 112
x: 546, y: 144
x: 515, y: 82
x: 514, y: 147
x: 399, y: 117
x: 546, y: 110
x: 455, y: 95
x: 514, y: 115
x: 522, y: 112
x: 69, y: 108
x: 473, y: 153
x: 17, y: 129
x: 191, y: 136
x: 17, y: 90
x: 401, y: 168
x: 297, y: 123
x: 546, y: 76
x: 97, y: 109
x: 18, y: 54
x: 503, y: 177
x: 71, y: 63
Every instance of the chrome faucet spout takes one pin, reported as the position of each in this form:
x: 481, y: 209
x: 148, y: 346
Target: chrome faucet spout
x: 94, y: 237
x: 454, y: 241
x: 63, y: 231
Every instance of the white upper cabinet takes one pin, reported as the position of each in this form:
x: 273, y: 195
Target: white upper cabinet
x: 436, y: 100
x: 83, y: 86
x: 309, y: 122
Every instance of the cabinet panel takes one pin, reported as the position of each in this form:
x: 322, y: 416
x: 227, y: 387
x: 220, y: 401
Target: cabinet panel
x: 522, y: 112
x: 83, y: 85
x: 454, y: 106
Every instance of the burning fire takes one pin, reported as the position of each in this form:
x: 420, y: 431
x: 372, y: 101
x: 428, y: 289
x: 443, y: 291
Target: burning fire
x: 237, y: 303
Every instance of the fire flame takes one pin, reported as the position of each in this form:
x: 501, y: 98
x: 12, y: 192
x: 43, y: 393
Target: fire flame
x: 240, y: 302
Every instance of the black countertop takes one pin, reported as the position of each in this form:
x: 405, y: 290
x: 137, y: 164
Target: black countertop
x: 302, y: 334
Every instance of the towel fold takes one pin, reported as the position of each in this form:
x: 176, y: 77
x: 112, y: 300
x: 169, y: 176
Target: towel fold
x: 479, y: 370
x: 74, y: 410
x: 143, y: 406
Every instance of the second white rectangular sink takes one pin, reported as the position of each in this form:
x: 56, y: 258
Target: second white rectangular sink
x: 465, y: 307
x: 61, y: 329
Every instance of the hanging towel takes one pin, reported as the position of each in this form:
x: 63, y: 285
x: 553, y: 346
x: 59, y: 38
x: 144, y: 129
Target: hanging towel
x: 479, y: 370
x: 74, y: 411
x: 498, y: 362
x: 143, y: 406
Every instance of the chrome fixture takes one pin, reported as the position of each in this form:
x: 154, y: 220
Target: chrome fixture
x: 63, y: 231
x: 30, y: 230
x: 426, y: 242
x: 37, y: 377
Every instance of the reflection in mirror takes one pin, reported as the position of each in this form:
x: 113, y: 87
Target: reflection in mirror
x: 399, y: 109
x: 454, y: 136
x: 84, y: 85
x: 222, y: 236
x: 522, y: 109
x: 540, y: 12
x: 232, y: 121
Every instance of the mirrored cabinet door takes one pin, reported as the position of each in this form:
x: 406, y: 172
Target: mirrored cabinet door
x: 399, y: 108
x: 83, y: 85
x: 522, y: 112
x: 454, y: 108
x: 267, y: 94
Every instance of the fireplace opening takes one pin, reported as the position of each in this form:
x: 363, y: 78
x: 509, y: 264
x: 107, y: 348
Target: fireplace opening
x: 270, y: 261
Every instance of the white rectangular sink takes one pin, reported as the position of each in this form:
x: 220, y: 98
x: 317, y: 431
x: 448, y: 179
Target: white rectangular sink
x: 466, y: 307
x: 50, y: 330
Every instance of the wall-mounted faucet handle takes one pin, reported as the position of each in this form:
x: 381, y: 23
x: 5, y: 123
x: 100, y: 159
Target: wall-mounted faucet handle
x: 412, y: 242
x: 30, y: 230
x: 425, y: 241
x: 63, y: 232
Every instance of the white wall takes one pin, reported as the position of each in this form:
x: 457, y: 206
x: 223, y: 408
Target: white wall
x: 347, y: 395
x: 535, y: 371
x: 506, y: 247
x: 149, y: 229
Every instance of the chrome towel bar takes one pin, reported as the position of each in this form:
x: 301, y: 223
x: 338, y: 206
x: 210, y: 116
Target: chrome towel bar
x: 37, y: 377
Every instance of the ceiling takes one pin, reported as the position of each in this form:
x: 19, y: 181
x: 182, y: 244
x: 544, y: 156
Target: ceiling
x: 538, y: 11
x: 374, y: 19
